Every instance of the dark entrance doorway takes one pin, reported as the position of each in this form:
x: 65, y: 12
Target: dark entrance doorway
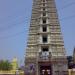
x: 45, y: 70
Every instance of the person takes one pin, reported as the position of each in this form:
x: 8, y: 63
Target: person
x: 17, y: 72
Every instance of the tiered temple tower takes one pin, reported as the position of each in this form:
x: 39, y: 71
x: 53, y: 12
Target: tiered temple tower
x: 45, y: 53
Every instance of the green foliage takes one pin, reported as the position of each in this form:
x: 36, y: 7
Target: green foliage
x: 5, y: 65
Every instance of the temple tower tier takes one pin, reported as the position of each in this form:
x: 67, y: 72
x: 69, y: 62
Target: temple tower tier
x: 45, y: 52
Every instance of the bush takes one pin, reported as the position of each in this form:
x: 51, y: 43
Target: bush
x: 5, y: 65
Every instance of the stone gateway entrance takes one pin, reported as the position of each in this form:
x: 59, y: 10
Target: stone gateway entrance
x: 45, y: 70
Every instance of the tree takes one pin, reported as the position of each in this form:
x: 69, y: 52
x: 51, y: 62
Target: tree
x: 5, y: 65
x: 70, y: 62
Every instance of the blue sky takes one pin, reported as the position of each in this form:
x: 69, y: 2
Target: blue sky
x: 14, y: 24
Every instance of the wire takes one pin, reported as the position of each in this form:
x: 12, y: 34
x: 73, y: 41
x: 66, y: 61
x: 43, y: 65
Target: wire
x: 11, y: 36
x: 15, y: 20
x: 11, y: 16
x: 62, y: 7
x: 70, y: 17
x: 66, y: 18
x: 11, y: 26
x: 66, y: 6
x: 64, y: 1
x: 18, y: 17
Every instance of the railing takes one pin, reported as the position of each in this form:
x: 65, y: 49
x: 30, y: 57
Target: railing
x: 11, y: 72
